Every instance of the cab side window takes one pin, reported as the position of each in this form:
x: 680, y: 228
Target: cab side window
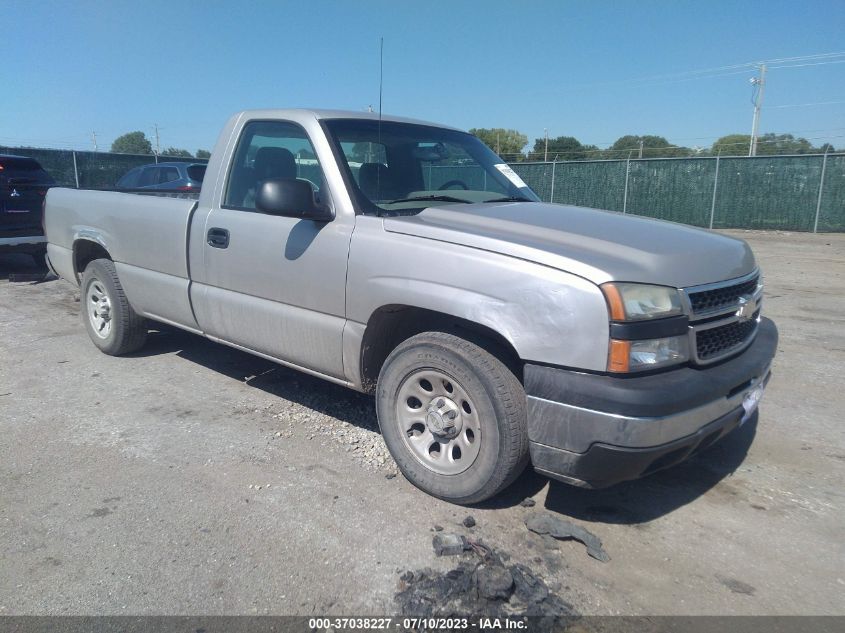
x: 270, y: 149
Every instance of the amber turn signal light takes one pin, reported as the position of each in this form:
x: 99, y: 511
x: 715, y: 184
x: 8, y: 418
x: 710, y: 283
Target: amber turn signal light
x: 619, y: 356
x: 614, y: 302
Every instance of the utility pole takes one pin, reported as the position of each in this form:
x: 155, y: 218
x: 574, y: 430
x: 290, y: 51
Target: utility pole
x: 158, y: 146
x: 760, y: 82
x: 546, y: 151
x: 94, y: 138
x: 641, y: 148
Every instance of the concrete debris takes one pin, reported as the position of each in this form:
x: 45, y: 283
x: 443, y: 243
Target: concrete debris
x: 450, y: 544
x: 528, y: 502
x: 483, y: 588
x: 494, y: 582
x: 562, y: 529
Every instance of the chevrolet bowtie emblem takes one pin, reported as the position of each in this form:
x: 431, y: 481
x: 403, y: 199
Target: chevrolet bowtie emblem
x: 747, y: 308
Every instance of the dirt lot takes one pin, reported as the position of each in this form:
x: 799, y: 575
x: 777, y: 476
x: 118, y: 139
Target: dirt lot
x: 194, y: 479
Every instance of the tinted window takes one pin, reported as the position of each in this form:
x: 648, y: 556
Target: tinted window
x: 19, y: 164
x: 24, y: 170
x: 270, y: 149
x: 196, y: 172
x: 149, y: 176
x: 168, y: 174
x: 130, y: 180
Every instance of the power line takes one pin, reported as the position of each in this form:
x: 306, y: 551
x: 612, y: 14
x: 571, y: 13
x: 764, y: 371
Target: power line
x: 835, y: 61
x: 804, y: 105
x: 721, y: 71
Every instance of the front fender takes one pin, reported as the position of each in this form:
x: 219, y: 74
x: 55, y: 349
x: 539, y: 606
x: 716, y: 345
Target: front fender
x: 548, y: 316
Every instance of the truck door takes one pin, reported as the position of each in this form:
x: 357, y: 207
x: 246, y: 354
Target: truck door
x: 270, y: 284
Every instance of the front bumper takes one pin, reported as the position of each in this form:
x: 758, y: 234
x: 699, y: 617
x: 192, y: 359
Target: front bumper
x: 596, y: 430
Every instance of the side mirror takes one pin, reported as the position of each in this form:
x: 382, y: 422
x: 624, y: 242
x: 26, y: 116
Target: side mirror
x: 291, y: 198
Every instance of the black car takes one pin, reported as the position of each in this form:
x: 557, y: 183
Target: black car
x: 169, y: 176
x: 23, y: 185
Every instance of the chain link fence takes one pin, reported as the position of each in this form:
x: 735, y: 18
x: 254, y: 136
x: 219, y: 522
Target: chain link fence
x: 794, y: 193
x: 90, y: 170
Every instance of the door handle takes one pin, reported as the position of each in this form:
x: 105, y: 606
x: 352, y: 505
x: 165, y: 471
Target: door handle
x: 217, y: 238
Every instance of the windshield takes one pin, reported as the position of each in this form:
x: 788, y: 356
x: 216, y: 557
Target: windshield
x: 398, y: 168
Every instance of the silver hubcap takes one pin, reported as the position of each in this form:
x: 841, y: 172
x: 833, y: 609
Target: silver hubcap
x: 98, y: 306
x: 438, y: 421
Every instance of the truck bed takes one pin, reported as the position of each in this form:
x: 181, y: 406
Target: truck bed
x: 150, y: 231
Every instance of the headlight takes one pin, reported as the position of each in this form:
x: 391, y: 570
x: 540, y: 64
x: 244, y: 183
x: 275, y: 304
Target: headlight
x: 634, y: 302
x: 627, y: 356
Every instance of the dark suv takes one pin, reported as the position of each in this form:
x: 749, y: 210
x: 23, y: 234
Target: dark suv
x: 23, y: 185
x: 170, y: 176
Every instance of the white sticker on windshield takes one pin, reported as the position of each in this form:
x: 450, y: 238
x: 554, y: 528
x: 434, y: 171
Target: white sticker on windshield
x: 511, y: 175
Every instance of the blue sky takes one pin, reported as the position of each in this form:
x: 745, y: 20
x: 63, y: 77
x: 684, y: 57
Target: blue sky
x: 575, y: 68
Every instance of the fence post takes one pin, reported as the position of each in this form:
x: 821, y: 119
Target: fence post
x: 821, y: 189
x: 625, y: 195
x: 75, y: 171
x: 552, y: 193
x: 715, y: 186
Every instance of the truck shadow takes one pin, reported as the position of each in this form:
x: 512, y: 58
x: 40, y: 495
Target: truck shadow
x: 14, y: 265
x: 280, y: 381
x: 643, y: 500
x: 628, y: 503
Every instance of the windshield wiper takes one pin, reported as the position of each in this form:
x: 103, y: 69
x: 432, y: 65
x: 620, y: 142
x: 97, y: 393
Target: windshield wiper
x: 510, y: 199
x: 432, y: 197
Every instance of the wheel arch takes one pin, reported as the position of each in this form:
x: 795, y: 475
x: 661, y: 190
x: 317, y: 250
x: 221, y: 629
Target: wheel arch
x: 86, y: 250
x: 390, y: 325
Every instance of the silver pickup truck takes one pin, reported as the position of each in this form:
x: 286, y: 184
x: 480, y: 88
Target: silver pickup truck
x: 405, y: 259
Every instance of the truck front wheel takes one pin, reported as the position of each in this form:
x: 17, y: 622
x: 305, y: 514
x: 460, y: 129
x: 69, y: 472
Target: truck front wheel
x: 453, y: 417
x: 111, y: 322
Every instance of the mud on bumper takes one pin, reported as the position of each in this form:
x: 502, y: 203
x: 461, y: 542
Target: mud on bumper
x: 596, y: 430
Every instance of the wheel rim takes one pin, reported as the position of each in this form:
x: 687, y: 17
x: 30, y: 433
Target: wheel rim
x: 98, y: 307
x: 438, y: 421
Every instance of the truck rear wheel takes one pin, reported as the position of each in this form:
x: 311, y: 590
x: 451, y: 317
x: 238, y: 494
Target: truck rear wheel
x: 111, y: 322
x: 453, y: 417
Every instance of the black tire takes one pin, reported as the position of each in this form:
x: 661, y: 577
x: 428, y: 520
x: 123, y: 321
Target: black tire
x: 127, y: 330
x: 499, y: 401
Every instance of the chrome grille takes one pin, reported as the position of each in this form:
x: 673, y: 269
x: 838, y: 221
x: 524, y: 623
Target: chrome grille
x: 721, y: 340
x: 717, y: 298
x: 720, y: 323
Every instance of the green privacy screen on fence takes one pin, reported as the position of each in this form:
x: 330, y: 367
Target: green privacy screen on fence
x: 765, y: 192
x: 795, y: 193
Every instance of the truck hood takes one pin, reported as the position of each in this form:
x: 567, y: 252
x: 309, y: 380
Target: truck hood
x: 598, y: 245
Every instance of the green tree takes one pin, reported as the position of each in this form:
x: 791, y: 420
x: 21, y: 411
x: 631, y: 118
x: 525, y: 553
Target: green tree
x: 772, y: 144
x: 653, y: 147
x: 731, y: 145
x: 173, y: 151
x: 203, y: 153
x: 563, y: 148
x: 132, y: 143
x: 506, y: 143
x: 767, y: 145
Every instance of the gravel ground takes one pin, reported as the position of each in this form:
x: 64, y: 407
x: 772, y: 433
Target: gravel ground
x: 191, y: 478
